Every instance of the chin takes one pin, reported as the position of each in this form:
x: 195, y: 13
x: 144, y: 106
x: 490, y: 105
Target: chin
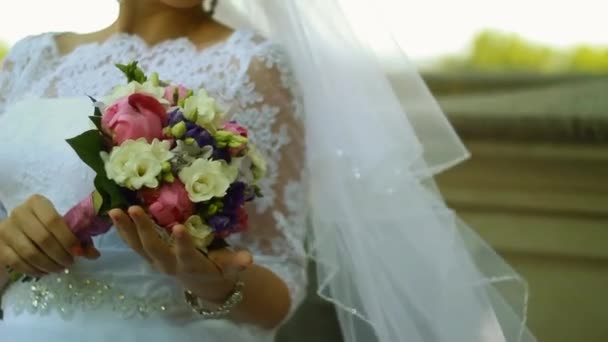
x: 183, y: 3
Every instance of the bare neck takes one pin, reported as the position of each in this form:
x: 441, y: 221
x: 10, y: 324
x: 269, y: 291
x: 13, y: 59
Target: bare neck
x: 155, y: 22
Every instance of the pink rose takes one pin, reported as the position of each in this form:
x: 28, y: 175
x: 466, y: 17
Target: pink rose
x: 169, y: 205
x: 133, y: 117
x: 170, y: 94
x: 235, y: 128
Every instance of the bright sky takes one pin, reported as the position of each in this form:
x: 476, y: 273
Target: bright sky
x: 429, y: 27
x: 19, y: 18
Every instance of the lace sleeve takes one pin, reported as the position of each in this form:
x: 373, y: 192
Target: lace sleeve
x: 278, y: 221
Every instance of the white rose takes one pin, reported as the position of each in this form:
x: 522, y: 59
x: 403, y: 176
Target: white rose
x: 258, y: 163
x: 202, y: 234
x: 136, y: 164
x: 203, y: 109
x: 133, y: 87
x: 204, y: 179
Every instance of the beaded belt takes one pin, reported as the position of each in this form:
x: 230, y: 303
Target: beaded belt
x: 68, y: 294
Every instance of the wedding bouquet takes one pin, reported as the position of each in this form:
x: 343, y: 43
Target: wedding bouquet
x: 170, y: 150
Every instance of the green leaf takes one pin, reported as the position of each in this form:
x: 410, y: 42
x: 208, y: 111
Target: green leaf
x: 124, y: 68
x: 132, y: 72
x: 97, y: 201
x: 88, y: 145
x: 258, y: 191
x: 139, y: 76
x: 97, y: 111
x: 113, y: 196
x: 96, y: 121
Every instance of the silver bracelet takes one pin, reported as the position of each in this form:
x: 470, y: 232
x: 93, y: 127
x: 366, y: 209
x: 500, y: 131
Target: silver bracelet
x: 236, y: 297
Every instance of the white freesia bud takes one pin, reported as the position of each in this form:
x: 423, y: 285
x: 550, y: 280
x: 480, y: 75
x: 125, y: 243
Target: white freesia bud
x: 258, y: 163
x: 202, y: 235
x: 204, y: 179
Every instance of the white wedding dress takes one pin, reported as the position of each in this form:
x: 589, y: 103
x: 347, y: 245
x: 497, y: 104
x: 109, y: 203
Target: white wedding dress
x: 119, y: 297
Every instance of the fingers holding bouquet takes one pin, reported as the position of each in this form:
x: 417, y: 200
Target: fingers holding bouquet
x: 35, y: 240
x: 215, y: 270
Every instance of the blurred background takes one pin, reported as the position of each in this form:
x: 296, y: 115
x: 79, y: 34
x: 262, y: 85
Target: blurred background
x: 525, y: 83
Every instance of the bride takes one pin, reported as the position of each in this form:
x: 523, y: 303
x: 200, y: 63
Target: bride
x: 393, y: 259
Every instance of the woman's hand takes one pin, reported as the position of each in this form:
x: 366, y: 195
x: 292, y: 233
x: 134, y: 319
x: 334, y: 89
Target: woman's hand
x: 36, y: 241
x: 266, y: 299
x: 210, y: 277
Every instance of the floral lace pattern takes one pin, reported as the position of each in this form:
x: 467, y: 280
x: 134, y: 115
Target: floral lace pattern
x: 249, y: 75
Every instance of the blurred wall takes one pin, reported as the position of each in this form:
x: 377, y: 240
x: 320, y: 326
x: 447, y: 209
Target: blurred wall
x: 535, y: 189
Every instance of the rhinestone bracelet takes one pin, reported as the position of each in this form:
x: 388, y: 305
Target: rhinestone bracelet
x: 236, y: 297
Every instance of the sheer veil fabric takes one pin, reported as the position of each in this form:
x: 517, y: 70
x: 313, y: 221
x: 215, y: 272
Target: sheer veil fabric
x: 396, y: 262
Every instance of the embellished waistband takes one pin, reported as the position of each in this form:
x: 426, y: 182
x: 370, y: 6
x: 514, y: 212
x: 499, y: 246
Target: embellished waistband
x: 67, y: 294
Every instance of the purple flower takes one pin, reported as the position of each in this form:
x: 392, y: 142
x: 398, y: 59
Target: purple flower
x: 176, y: 117
x: 198, y: 133
x: 235, y: 197
x: 221, y: 154
x: 220, y: 223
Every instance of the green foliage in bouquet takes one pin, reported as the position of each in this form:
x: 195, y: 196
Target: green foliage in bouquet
x: 132, y: 72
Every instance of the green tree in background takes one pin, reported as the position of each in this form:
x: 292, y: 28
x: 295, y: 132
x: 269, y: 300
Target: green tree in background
x: 510, y: 52
x: 497, y: 51
x: 3, y: 50
x: 589, y: 59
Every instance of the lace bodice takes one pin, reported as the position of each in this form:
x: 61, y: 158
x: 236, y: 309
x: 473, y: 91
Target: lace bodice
x: 249, y: 73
